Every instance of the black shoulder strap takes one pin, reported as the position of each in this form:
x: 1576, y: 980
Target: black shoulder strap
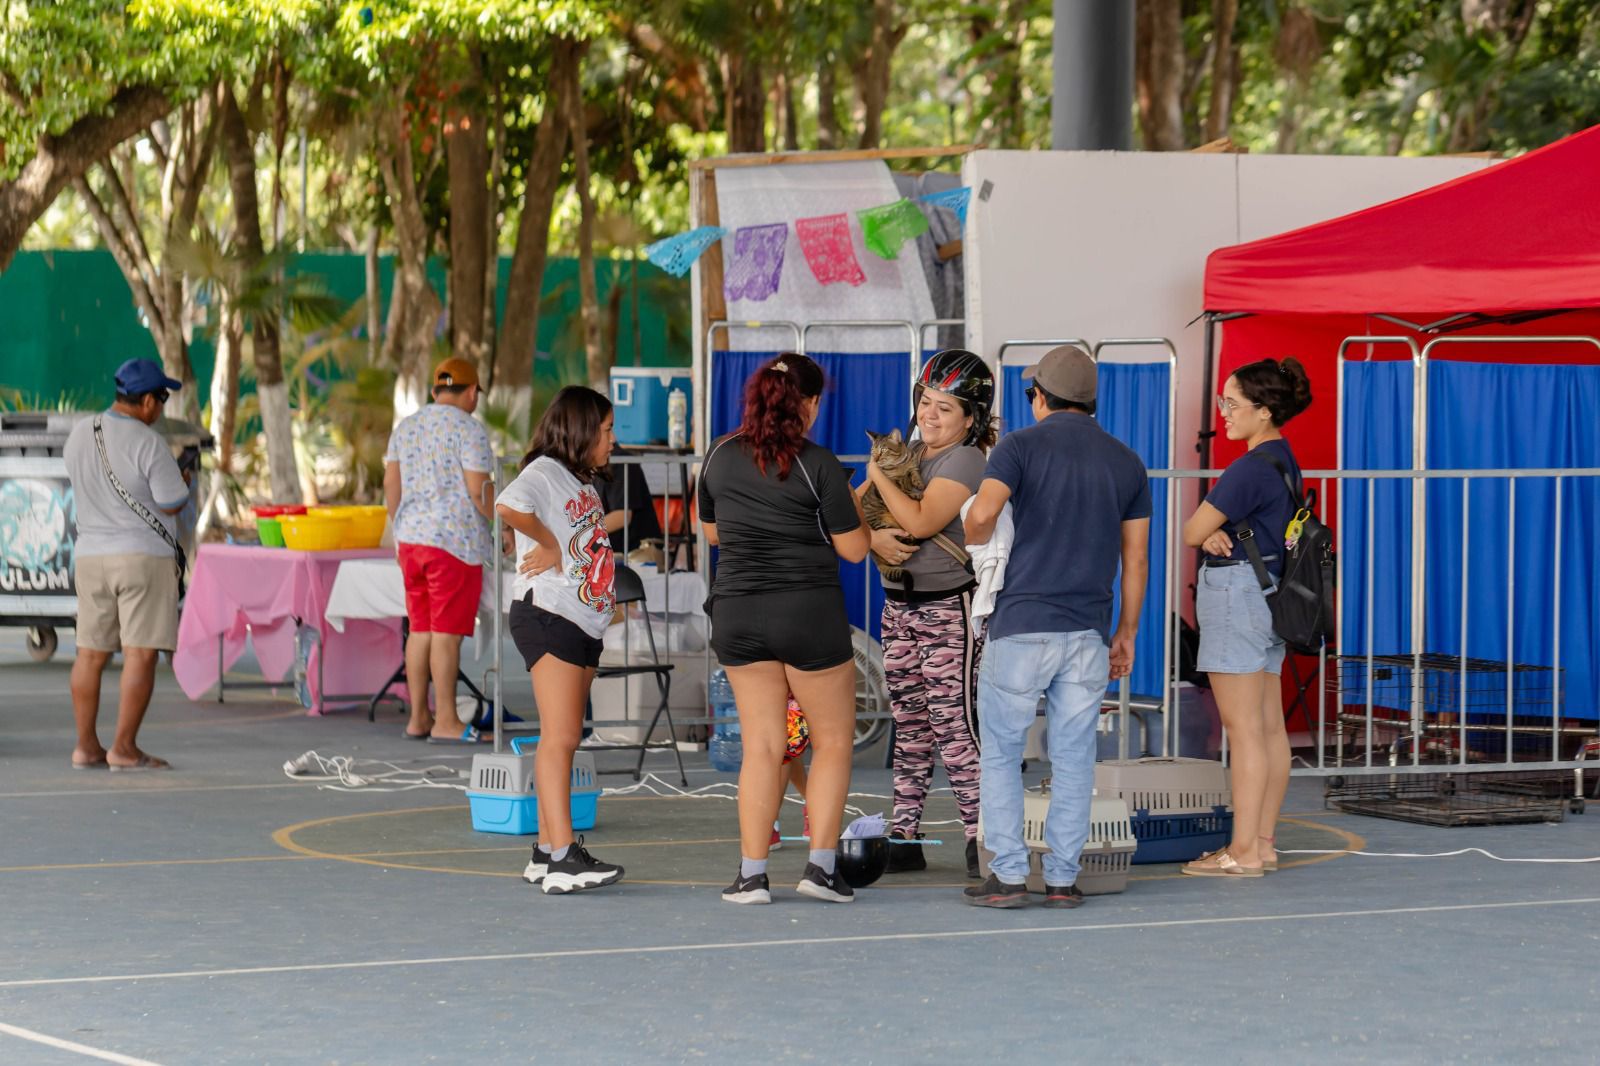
x: 1242, y: 531
x: 180, y: 560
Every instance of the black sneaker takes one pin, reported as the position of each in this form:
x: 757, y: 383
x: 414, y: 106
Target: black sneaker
x: 904, y: 858
x: 748, y: 890
x: 537, y: 866
x: 578, y: 872
x: 831, y: 888
x: 997, y: 893
x: 974, y: 870
x: 1063, y: 896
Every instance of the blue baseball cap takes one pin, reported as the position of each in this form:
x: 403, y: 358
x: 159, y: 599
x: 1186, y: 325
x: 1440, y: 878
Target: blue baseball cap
x: 138, y: 376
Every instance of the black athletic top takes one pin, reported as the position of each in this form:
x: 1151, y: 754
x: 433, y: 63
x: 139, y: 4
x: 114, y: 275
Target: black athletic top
x: 775, y: 534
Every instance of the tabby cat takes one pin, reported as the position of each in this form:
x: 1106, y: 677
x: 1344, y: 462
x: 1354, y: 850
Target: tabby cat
x: 901, y: 461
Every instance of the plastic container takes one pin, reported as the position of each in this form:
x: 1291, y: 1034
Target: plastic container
x: 502, y: 797
x: 640, y: 398
x: 313, y: 532
x: 364, y: 524
x: 270, y: 530
x: 727, y: 744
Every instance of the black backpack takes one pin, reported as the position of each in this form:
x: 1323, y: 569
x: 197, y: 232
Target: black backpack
x: 1302, y: 605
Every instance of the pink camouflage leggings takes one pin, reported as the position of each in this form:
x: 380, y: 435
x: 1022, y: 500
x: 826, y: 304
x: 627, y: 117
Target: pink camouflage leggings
x: 930, y: 661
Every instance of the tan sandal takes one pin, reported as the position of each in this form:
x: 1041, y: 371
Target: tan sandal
x: 1220, y: 864
x: 1270, y: 865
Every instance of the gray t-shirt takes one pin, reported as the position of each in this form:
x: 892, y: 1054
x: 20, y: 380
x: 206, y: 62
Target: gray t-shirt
x: 933, y: 569
x: 144, y: 464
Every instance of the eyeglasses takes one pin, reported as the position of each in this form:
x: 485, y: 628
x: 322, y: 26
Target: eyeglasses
x: 1226, y: 406
x: 161, y: 395
x: 1030, y: 392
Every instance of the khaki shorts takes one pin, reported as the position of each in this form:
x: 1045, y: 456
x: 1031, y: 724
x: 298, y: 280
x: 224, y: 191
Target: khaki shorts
x: 127, y: 600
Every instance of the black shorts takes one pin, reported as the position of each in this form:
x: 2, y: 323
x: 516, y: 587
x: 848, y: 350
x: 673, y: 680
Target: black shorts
x: 539, y: 632
x: 807, y: 629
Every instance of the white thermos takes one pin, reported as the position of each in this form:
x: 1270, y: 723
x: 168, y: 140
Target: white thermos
x: 677, y: 419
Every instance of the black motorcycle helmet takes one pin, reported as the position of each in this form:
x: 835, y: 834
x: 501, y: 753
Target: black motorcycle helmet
x: 965, y: 376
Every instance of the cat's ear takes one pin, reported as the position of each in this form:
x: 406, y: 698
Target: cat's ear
x: 894, y: 435
x: 874, y: 437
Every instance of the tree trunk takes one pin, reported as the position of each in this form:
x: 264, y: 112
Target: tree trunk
x: 791, y: 118
x: 410, y: 338
x: 1158, y: 73
x: 595, y: 357
x: 239, y: 151
x: 467, y: 156
x: 872, y: 80
x: 374, y: 297
x: 60, y: 160
x: 1224, y: 62
x: 224, y: 413
x: 747, y: 104
x: 519, y: 332
x: 829, y: 136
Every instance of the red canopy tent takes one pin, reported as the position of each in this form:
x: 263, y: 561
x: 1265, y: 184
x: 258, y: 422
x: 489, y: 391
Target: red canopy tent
x: 1511, y: 249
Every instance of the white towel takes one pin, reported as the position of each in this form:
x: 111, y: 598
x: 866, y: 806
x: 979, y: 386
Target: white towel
x: 989, y: 561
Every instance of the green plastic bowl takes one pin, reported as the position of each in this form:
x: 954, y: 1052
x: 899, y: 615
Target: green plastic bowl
x: 270, y: 531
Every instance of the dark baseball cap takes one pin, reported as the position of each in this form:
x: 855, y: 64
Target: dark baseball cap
x: 139, y: 376
x: 1066, y: 373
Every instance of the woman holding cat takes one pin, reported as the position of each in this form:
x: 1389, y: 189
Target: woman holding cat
x: 930, y: 648
x: 781, y: 510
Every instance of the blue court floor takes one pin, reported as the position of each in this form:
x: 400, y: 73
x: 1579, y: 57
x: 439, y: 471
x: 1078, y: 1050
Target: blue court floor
x: 223, y: 913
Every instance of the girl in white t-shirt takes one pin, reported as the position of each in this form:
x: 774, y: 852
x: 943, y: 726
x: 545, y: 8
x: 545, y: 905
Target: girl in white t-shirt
x: 562, y: 602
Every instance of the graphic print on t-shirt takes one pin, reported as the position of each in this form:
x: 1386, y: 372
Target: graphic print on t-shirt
x: 590, y: 549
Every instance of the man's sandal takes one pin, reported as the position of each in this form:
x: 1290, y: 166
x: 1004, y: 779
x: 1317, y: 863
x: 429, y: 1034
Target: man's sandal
x: 1220, y: 864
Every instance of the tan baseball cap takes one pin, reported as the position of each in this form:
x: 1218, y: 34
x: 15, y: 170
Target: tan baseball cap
x: 1066, y: 373
x: 457, y: 371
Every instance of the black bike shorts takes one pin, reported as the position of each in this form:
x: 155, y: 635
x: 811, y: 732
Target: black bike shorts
x: 807, y: 629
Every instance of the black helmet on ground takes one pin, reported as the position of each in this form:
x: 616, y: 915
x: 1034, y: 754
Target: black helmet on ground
x: 964, y: 375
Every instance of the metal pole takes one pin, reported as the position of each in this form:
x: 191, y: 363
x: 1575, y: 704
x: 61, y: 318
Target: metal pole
x: 1367, y: 559
x: 1555, y: 654
x: 1092, y: 106
x: 1511, y: 605
x: 1419, y: 526
x: 1466, y: 571
x: 499, y: 620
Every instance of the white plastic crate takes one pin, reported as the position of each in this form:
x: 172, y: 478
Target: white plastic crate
x: 1107, y: 854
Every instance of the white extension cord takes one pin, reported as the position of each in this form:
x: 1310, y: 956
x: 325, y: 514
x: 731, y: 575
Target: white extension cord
x: 1431, y: 855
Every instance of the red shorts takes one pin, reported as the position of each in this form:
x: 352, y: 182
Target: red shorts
x: 441, y: 591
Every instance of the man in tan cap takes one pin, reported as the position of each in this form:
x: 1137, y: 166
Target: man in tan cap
x: 1080, y: 503
x: 438, y: 485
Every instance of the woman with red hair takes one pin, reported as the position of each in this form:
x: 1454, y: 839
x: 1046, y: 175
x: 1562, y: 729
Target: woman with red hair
x: 780, y: 508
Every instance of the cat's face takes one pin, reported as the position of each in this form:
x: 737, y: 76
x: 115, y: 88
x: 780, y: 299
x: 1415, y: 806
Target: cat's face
x: 891, y: 453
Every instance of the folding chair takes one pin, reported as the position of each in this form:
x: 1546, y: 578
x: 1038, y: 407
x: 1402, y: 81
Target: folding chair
x: 630, y: 591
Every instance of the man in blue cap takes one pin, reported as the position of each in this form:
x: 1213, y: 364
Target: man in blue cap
x: 127, y: 490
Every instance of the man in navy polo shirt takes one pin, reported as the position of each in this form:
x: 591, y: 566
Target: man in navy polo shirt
x: 1080, y: 503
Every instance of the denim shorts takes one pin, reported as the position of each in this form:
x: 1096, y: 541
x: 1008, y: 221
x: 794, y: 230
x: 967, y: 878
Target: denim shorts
x: 1236, y: 634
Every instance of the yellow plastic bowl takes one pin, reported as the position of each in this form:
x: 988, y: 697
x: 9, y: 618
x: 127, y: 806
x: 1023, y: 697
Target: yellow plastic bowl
x: 314, y: 531
x: 364, y: 524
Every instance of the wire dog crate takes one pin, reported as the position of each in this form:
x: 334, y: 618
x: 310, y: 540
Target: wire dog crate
x: 1450, y: 800
x: 1464, y: 708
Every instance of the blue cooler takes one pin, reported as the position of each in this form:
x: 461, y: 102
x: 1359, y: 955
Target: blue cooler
x: 639, y: 396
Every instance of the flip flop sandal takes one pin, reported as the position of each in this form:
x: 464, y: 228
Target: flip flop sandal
x: 1220, y: 864
x: 469, y: 736
x: 415, y: 736
x: 146, y: 762
x: 1271, y: 865
x: 98, y: 764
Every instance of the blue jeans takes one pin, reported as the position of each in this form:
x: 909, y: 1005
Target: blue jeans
x: 1071, y: 670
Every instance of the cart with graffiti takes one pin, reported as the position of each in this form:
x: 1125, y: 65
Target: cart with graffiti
x: 38, y: 528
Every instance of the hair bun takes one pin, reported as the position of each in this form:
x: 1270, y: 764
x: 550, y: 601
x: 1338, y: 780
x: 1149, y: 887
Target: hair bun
x: 1294, y: 373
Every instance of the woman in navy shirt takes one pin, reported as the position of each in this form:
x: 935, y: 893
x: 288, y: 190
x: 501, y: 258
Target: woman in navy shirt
x: 1238, y: 647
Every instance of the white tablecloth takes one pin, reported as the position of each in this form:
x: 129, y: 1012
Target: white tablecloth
x: 373, y: 588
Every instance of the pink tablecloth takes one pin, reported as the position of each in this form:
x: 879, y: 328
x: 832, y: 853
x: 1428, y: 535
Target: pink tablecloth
x: 242, y: 591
